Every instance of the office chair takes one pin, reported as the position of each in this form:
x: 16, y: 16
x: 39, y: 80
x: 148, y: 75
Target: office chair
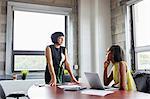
x: 142, y: 81
x: 13, y: 95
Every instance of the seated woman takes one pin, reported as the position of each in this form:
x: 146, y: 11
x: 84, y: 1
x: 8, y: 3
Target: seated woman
x: 57, y: 58
x: 120, y: 73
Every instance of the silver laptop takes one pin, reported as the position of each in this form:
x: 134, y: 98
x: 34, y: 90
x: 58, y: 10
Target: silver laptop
x: 95, y: 81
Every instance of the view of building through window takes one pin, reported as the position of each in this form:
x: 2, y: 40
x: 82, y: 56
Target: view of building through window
x: 29, y: 62
x: 143, y: 60
x: 142, y: 33
x: 32, y: 32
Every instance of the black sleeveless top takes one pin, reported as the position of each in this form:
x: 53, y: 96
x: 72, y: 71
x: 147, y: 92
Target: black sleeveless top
x: 58, y: 68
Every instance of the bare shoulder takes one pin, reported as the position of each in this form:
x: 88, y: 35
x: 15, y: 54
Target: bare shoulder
x: 122, y: 65
x: 48, y: 48
x: 65, y: 50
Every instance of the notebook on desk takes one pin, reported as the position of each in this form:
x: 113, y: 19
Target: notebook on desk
x: 95, y: 82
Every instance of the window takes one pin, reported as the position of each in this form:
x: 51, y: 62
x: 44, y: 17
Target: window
x: 31, y: 35
x: 140, y: 33
x: 29, y: 28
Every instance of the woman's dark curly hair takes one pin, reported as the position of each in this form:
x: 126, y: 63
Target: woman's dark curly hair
x: 117, y: 53
x: 55, y: 36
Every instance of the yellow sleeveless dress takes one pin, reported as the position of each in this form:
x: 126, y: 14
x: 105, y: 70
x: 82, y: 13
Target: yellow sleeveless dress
x: 130, y: 82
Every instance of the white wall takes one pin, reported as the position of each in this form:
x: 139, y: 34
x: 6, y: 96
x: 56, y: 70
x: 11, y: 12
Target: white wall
x: 94, y: 35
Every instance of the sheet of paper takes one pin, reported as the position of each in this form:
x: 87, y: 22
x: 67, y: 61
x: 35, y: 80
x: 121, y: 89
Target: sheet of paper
x: 96, y: 92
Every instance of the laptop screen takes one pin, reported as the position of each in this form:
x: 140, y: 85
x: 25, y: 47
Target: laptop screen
x: 94, y: 80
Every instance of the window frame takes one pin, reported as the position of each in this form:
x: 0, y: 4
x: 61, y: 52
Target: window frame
x: 11, y: 6
x: 30, y: 52
x: 130, y: 36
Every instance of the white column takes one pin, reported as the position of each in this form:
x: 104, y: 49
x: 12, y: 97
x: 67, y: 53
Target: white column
x: 94, y: 34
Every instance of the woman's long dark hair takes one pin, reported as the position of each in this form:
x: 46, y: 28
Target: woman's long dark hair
x: 117, y: 53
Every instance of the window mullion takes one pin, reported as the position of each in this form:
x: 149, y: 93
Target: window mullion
x: 28, y: 52
x: 142, y: 49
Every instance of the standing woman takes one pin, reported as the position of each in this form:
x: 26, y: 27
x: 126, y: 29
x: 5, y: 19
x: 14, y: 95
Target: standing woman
x: 57, y: 58
x: 120, y: 74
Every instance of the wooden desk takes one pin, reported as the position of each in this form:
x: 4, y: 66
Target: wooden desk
x: 36, y: 92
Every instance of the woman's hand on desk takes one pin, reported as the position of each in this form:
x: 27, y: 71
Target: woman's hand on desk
x: 53, y: 82
x: 74, y: 80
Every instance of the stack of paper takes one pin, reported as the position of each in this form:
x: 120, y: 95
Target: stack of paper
x: 96, y: 92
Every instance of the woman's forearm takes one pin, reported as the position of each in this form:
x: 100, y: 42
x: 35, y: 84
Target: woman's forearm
x: 122, y: 71
x: 68, y: 67
x: 52, y: 72
x: 70, y: 71
x: 105, y: 77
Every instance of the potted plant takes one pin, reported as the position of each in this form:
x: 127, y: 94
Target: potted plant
x: 66, y: 72
x: 24, y: 73
x: 66, y: 76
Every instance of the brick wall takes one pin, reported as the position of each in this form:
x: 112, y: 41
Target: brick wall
x: 117, y: 23
x: 2, y: 34
x: 3, y: 16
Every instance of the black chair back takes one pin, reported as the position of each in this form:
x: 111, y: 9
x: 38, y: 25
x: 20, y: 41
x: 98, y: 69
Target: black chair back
x: 2, y: 94
x: 142, y: 81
